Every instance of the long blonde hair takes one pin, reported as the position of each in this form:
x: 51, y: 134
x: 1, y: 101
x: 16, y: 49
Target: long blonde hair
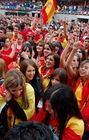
x: 15, y: 78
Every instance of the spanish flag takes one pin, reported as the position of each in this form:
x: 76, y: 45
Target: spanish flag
x: 48, y: 11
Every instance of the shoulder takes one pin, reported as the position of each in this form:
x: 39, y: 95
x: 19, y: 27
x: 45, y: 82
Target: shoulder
x: 29, y: 88
x: 77, y: 125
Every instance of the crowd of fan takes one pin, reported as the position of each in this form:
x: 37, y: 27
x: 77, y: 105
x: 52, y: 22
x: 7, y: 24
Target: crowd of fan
x: 63, y: 7
x: 44, y: 77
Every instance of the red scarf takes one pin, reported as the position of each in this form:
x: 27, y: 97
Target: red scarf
x: 44, y: 71
x: 85, y: 91
x: 69, y: 134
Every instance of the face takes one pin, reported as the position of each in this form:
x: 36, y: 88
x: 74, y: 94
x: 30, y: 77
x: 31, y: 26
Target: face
x: 37, y: 31
x: 50, y: 30
x: 86, y: 43
x: 49, y: 108
x: 16, y: 91
x: 50, y: 63
x: 1, y: 33
x: 55, y: 80
x: 56, y: 49
x: 75, y: 62
x: 61, y: 35
x: 84, y: 70
x: 27, y: 52
x: 9, y: 35
x: 39, y: 25
x: 80, y: 54
x: 16, y: 30
x: 55, y: 33
x: 30, y: 73
x: 29, y: 37
x: 47, y: 50
x: 75, y: 36
x: 39, y: 48
x: 7, y: 42
x: 20, y: 39
x: 47, y: 38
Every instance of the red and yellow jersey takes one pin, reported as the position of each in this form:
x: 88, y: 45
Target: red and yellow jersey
x: 44, y: 73
x: 76, y: 127
x: 6, y: 51
x: 82, y: 95
x: 7, y: 60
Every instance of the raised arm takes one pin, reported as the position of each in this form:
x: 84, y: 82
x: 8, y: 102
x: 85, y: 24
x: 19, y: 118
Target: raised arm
x: 65, y: 29
x: 71, y: 70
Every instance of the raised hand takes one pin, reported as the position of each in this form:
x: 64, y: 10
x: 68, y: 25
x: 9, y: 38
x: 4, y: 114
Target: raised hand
x: 8, y: 95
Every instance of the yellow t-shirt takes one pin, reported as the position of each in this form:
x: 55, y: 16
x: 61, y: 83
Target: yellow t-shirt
x: 30, y: 110
x: 78, y: 93
x: 77, y: 125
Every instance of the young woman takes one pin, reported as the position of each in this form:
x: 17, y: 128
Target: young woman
x: 30, y: 71
x: 81, y: 53
x: 17, y: 100
x: 6, y: 50
x: 48, y: 48
x: 19, y: 45
x: 82, y: 94
x: 34, y: 52
x: 51, y: 63
x: 57, y: 48
x: 61, y: 113
x: 26, y: 52
x: 39, y: 50
x: 62, y: 105
x: 71, y: 62
x: 58, y: 76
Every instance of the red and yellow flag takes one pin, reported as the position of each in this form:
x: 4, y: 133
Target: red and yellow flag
x: 48, y: 11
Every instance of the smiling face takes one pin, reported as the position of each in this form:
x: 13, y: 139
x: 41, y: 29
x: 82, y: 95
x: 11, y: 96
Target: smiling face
x: 20, y: 39
x: 80, y: 54
x: 47, y: 50
x: 75, y: 36
x: 39, y: 48
x: 16, y: 91
x: 30, y: 73
x: 74, y: 62
x: 84, y: 70
x: 7, y: 42
x: 50, y: 63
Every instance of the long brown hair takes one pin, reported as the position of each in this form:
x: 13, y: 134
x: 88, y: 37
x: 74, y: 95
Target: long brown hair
x: 15, y: 78
x: 2, y: 68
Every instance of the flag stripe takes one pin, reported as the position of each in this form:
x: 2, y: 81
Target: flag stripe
x: 45, y: 17
x: 48, y: 10
x: 52, y: 9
